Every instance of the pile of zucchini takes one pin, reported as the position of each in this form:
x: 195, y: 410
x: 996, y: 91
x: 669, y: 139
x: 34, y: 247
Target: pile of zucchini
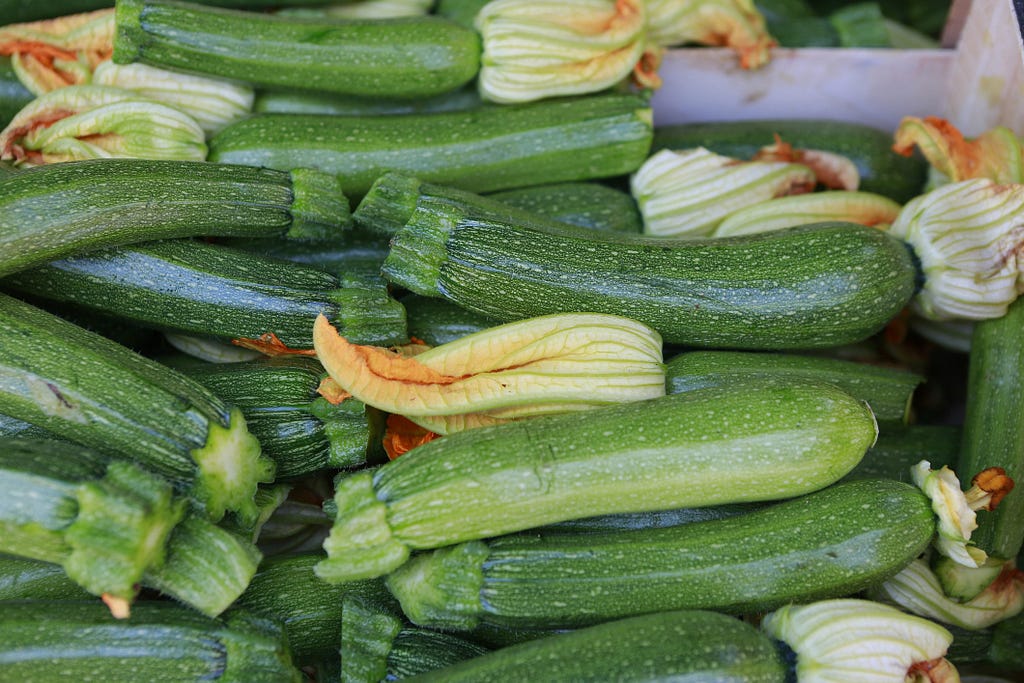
x: 554, y: 448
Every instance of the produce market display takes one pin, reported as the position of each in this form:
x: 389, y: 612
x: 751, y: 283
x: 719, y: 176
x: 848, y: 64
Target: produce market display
x: 375, y: 340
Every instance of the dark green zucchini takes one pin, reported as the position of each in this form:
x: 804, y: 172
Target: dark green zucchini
x: 828, y: 544
x: 296, y: 427
x: 461, y: 11
x: 993, y: 430
x: 12, y: 11
x: 495, y: 147
x: 437, y: 321
x: 25, y: 579
x: 805, y: 287
x: 13, y: 95
x: 887, y: 390
x: 667, y: 646
x: 210, y: 290
x: 402, y: 57
x: 56, y: 210
x: 50, y: 641
x: 656, y: 519
x: 882, y: 170
x: 354, y: 251
x: 898, y: 449
x: 88, y: 389
x: 13, y: 427
x: 588, y: 205
x: 286, y: 590
x: 288, y: 102
x: 646, y: 455
x: 1000, y: 646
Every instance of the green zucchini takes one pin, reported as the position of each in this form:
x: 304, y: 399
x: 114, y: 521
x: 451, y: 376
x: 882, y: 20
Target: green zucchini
x: 297, y: 428
x: 401, y: 57
x: 881, y: 170
x: 588, y: 205
x: 193, y: 287
x: 112, y: 525
x: 828, y: 544
x: 898, y: 449
x: 887, y: 390
x: 53, y: 211
x: 290, y: 102
x: 993, y: 430
x: 657, y: 519
x: 461, y: 11
x: 286, y: 590
x: 13, y: 427
x: 677, y: 646
x: 810, y: 286
x: 646, y: 455
x: 494, y: 147
x: 50, y: 641
x: 436, y: 321
x: 25, y: 579
x: 88, y: 389
x: 13, y: 95
x: 12, y: 11
x: 1000, y: 646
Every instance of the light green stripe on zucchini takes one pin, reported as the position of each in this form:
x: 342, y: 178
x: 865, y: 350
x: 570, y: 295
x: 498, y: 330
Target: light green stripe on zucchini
x: 773, y: 441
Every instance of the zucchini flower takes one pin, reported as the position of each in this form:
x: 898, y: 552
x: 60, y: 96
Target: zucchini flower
x: 362, y: 9
x: 55, y: 53
x: 832, y: 170
x: 995, y: 154
x: 690, y: 193
x: 534, y: 49
x: 91, y: 122
x: 551, y: 364
x: 736, y: 24
x: 967, y: 236
x: 955, y: 508
x: 213, y: 103
x: 865, y: 208
x: 917, y: 589
x: 863, y: 641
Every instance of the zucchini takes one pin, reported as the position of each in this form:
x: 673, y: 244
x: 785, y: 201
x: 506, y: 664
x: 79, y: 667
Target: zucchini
x: 588, y: 205
x: 646, y: 455
x: 50, y: 641
x: 827, y: 544
x: 401, y: 57
x: 679, y: 646
x: 290, y: 102
x: 881, y: 170
x: 13, y: 95
x: 993, y: 430
x: 805, y: 287
x: 12, y: 11
x: 297, y: 428
x: 887, y: 390
x: 53, y: 211
x: 436, y: 321
x: 657, y: 519
x: 490, y: 148
x: 898, y: 449
x: 286, y: 590
x: 88, y: 389
x: 112, y: 525
x: 215, y: 291
x: 25, y: 579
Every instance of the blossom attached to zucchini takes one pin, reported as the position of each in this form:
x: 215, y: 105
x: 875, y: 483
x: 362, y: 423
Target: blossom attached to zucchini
x: 550, y: 364
x: 92, y: 122
x: 689, y: 193
x: 861, y: 640
x: 995, y: 154
x: 736, y: 24
x: 56, y: 53
x: 534, y: 49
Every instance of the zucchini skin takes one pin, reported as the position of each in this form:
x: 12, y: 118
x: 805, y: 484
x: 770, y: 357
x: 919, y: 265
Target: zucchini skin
x: 898, y: 449
x: 297, y: 428
x: 12, y: 11
x: 490, y: 148
x: 26, y: 579
x: 881, y: 170
x: 588, y: 205
x: 496, y: 480
x: 407, y: 57
x: 216, y: 291
x: 810, y: 286
x: 887, y: 390
x: 289, y: 102
x: 53, y: 211
x: 683, y: 645
x: 827, y: 544
x: 437, y: 321
x: 13, y: 95
x: 49, y: 641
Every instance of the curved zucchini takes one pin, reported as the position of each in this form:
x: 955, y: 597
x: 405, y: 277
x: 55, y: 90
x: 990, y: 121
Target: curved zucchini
x: 215, y: 291
x: 50, y: 641
x: 684, y: 645
x: 887, y: 390
x: 881, y: 170
x: 297, y: 428
x: 57, y: 210
x: 827, y: 544
x: 88, y: 389
x: 805, y: 287
x: 646, y: 455
x: 588, y: 205
x: 402, y: 57
x: 485, y: 149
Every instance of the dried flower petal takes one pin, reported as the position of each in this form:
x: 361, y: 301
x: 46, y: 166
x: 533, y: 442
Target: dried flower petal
x: 736, y: 24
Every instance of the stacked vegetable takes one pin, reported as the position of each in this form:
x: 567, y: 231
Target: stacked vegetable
x: 446, y: 363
